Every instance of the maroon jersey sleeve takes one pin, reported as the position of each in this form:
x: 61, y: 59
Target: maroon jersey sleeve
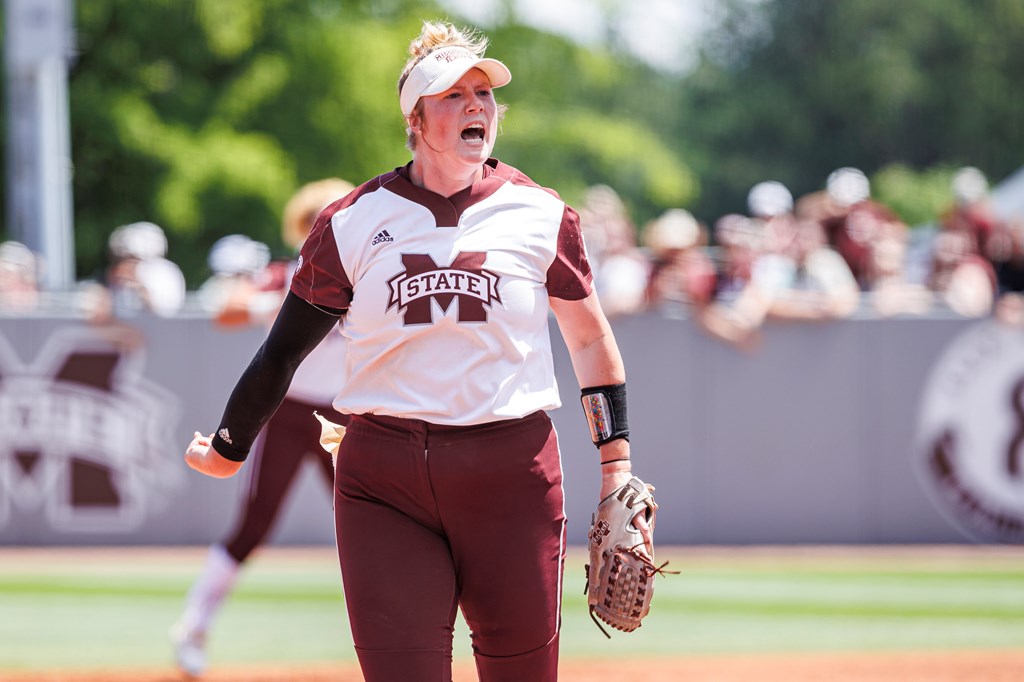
x: 319, y: 277
x: 569, y: 276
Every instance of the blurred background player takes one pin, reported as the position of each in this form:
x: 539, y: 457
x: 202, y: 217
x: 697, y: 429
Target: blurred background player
x: 244, y: 289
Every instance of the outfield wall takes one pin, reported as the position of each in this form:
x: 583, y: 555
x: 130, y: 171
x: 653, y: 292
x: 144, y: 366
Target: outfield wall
x: 809, y: 439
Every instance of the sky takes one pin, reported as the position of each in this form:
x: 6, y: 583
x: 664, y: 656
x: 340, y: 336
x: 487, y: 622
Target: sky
x: 660, y: 32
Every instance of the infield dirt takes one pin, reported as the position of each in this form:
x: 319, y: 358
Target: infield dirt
x: 974, y: 666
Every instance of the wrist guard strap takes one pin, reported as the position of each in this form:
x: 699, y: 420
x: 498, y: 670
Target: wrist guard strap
x: 605, y: 409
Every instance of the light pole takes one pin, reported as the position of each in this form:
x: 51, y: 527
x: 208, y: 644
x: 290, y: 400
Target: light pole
x: 38, y: 44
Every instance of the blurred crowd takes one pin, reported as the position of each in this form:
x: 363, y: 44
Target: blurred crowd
x: 834, y: 253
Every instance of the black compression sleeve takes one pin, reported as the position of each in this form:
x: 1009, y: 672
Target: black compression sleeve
x: 299, y: 327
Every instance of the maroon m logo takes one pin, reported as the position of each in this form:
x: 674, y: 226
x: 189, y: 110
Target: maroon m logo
x: 423, y: 281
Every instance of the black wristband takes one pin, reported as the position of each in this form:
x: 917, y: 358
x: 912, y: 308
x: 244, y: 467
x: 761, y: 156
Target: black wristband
x: 605, y: 409
x: 226, y: 449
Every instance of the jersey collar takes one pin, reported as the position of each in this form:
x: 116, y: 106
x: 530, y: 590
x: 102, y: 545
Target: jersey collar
x: 448, y: 210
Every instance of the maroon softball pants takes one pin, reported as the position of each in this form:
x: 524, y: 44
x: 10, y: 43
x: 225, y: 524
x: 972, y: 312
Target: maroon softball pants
x: 431, y: 519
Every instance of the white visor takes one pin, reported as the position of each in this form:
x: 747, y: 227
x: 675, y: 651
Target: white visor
x: 441, y: 69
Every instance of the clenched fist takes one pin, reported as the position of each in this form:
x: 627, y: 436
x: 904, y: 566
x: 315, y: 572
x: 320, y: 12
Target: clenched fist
x: 201, y: 456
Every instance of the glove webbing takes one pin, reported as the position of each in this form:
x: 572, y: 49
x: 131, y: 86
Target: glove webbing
x: 647, y: 567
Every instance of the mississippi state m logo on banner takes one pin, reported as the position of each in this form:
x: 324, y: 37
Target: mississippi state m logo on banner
x: 424, y: 281
x: 85, y: 439
x: 969, y: 449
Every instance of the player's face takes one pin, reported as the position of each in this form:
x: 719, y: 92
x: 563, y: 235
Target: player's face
x: 462, y: 122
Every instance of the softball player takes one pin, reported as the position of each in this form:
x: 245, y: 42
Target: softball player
x: 289, y: 438
x: 448, y: 489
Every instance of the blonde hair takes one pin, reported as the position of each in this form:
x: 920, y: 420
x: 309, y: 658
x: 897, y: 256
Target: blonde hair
x: 305, y: 205
x: 435, y: 35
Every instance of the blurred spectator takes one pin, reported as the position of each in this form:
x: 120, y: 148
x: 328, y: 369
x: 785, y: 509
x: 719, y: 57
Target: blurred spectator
x: 238, y: 291
x: 1010, y: 309
x: 620, y: 268
x: 971, y: 211
x: 855, y: 220
x: 892, y: 291
x: 681, y: 274
x: 770, y: 205
x: 802, y: 278
x: 1006, y: 250
x: 961, y: 278
x: 19, y: 283
x: 139, y: 277
x: 738, y: 242
x: 1007, y: 244
x: 738, y: 309
x: 817, y: 206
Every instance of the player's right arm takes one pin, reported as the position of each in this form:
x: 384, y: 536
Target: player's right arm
x: 299, y: 327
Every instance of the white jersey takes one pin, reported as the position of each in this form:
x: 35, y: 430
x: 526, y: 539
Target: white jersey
x: 316, y: 381
x: 318, y: 378
x: 447, y: 298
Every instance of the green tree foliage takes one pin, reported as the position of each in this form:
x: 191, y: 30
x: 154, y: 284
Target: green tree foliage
x: 791, y: 89
x: 917, y: 197
x: 205, y: 115
x: 580, y: 117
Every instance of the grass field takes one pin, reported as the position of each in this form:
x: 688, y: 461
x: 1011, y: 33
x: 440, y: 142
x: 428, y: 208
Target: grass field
x: 111, y: 608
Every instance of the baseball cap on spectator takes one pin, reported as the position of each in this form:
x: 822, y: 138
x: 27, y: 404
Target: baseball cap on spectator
x: 734, y: 229
x: 142, y: 240
x: 237, y: 254
x: 441, y: 69
x: 769, y: 199
x: 969, y: 185
x: 18, y: 259
x: 675, y: 229
x: 848, y: 186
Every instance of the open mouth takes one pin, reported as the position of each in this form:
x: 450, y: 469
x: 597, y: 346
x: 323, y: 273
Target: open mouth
x: 473, y: 133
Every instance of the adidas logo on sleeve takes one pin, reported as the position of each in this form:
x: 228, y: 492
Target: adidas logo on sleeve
x: 382, y: 237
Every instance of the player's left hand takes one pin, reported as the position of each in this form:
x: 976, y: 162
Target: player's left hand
x: 201, y: 456
x: 612, y: 481
x: 621, y: 572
